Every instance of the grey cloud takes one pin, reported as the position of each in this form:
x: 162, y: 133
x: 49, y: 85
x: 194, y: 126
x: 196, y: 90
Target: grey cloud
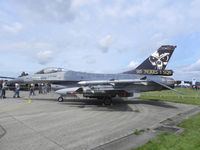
x: 105, y: 43
x: 44, y: 57
x: 170, y: 18
x: 195, y: 66
x: 186, y: 75
x: 89, y: 59
x: 192, y: 67
x: 13, y: 28
x: 152, y: 43
x: 81, y: 3
x: 49, y: 10
x: 187, y: 72
x: 133, y: 65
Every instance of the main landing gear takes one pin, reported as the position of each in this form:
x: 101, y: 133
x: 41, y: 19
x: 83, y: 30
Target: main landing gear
x: 107, y: 100
x: 60, y: 99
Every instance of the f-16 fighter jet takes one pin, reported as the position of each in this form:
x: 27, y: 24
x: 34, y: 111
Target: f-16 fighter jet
x: 148, y: 76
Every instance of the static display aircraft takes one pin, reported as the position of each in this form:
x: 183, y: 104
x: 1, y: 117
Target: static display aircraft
x: 148, y: 76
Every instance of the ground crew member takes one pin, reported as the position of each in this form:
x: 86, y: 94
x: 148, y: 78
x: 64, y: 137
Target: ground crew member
x: 17, y: 88
x: 3, y: 92
x: 32, y: 89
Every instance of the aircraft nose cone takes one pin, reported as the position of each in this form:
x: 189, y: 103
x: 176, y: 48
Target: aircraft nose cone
x: 61, y: 92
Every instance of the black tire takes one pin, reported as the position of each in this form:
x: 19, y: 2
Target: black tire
x: 107, y: 101
x: 60, y: 99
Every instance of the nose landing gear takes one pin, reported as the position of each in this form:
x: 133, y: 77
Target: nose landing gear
x: 60, y: 99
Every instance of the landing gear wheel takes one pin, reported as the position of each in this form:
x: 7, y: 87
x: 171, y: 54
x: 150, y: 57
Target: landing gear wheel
x: 60, y: 99
x: 107, y: 101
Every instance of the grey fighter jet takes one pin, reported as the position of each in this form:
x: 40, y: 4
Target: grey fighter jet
x: 148, y: 76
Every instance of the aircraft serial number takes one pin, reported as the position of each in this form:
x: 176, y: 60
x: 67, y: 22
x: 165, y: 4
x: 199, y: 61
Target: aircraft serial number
x: 154, y: 72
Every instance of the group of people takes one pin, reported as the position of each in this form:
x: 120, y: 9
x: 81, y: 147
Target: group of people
x: 43, y: 88
x: 4, y: 87
x: 17, y: 88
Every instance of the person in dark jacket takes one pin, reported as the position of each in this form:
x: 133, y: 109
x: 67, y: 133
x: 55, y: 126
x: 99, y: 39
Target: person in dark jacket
x: 3, y: 91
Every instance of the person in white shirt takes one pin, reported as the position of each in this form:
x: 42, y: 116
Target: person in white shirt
x: 17, y: 88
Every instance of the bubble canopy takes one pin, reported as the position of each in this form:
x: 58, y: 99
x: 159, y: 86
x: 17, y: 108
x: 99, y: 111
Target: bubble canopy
x: 50, y: 70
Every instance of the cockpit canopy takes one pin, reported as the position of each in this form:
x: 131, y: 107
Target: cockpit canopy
x: 50, y: 70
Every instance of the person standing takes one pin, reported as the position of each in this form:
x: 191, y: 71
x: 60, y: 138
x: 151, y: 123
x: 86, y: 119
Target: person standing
x: 48, y: 87
x: 17, y: 88
x: 40, y: 88
x: 0, y: 88
x: 3, y: 92
x: 194, y: 83
x: 43, y: 88
x: 32, y: 89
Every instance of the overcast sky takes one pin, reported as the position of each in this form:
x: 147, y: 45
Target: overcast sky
x: 105, y: 36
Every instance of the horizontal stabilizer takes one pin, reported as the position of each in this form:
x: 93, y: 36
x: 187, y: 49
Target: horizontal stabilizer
x: 168, y: 87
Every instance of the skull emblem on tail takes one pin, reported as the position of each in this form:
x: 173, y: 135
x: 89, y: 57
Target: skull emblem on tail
x: 159, y: 60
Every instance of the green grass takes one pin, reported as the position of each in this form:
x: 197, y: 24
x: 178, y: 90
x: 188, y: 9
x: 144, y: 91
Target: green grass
x: 189, y: 96
x: 138, y: 132
x: 187, y: 140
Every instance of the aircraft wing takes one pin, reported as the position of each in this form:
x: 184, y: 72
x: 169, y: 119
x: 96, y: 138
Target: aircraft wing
x: 7, y: 77
x: 101, y: 85
x: 141, y: 81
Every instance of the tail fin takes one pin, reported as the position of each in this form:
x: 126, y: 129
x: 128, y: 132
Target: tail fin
x: 157, y: 61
